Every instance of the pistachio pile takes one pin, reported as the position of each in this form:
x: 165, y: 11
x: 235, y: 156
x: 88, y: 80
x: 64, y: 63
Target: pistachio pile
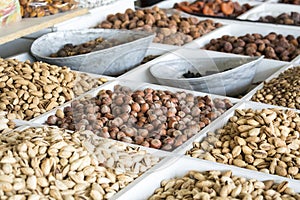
x: 28, y: 90
x: 221, y: 185
x: 266, y: 140
x: 283, y: 90
x: 173, y: 30
x: 49, y: 163
x: 149, y: 117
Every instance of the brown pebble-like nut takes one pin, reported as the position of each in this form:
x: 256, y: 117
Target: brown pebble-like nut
x: 145, y: 144
x: 228, y: 47
x: 155, y: 143
x: 144, y: 107
x: 139, y: 139
x: 52, y: 120
x: 136, y: 107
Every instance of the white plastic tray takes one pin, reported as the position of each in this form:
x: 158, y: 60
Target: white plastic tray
x: 179, y: 166
x: 265, y: 69
x: 269, y: 9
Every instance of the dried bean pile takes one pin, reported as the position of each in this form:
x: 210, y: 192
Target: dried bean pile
x: 266, y: 140
x: 49, y: 163
x: 284, y: 18
x: 155, y: 118
x: 214, y: 8
x: 273, y: 46
x: 174, y: 29
x: 221, y: 185
x: 282, y: 91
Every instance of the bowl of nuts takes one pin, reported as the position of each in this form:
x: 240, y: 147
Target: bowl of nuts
x: 229, y: 76
x: 98, y: 51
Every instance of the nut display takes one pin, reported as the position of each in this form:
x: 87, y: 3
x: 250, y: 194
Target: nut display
x: 284, y: 18
x: 221, y: 185
x: 49, y: 163
x: 272, y: 46
x: 30, y: 89
x: 174, y: 29
x: 149, y: 117
x: 283, y: 90
x: 41, y: 8
x: 296, y: 2
x: 265, y: 140
x: 218, y: 8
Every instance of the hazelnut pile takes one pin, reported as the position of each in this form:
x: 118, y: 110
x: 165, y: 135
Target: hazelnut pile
x: 151, y: 118
x: 173, y: 30
x: 218, y: 8
x: 284, y: 18
x: 273, y: 46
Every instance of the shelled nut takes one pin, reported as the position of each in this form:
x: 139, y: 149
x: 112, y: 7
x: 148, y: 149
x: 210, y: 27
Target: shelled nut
x: 48, y: 163
x: 174, y: 29
x: 283, y: 90
x: 221, y: 185
x: 214, y: 8
x: 117, y: 156
x: 149, y: 117
x: 266, y: 140
x: 273, y: 46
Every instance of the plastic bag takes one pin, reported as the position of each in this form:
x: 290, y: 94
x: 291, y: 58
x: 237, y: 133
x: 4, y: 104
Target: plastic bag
x: 9, y: 12
x: 41, y: 8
